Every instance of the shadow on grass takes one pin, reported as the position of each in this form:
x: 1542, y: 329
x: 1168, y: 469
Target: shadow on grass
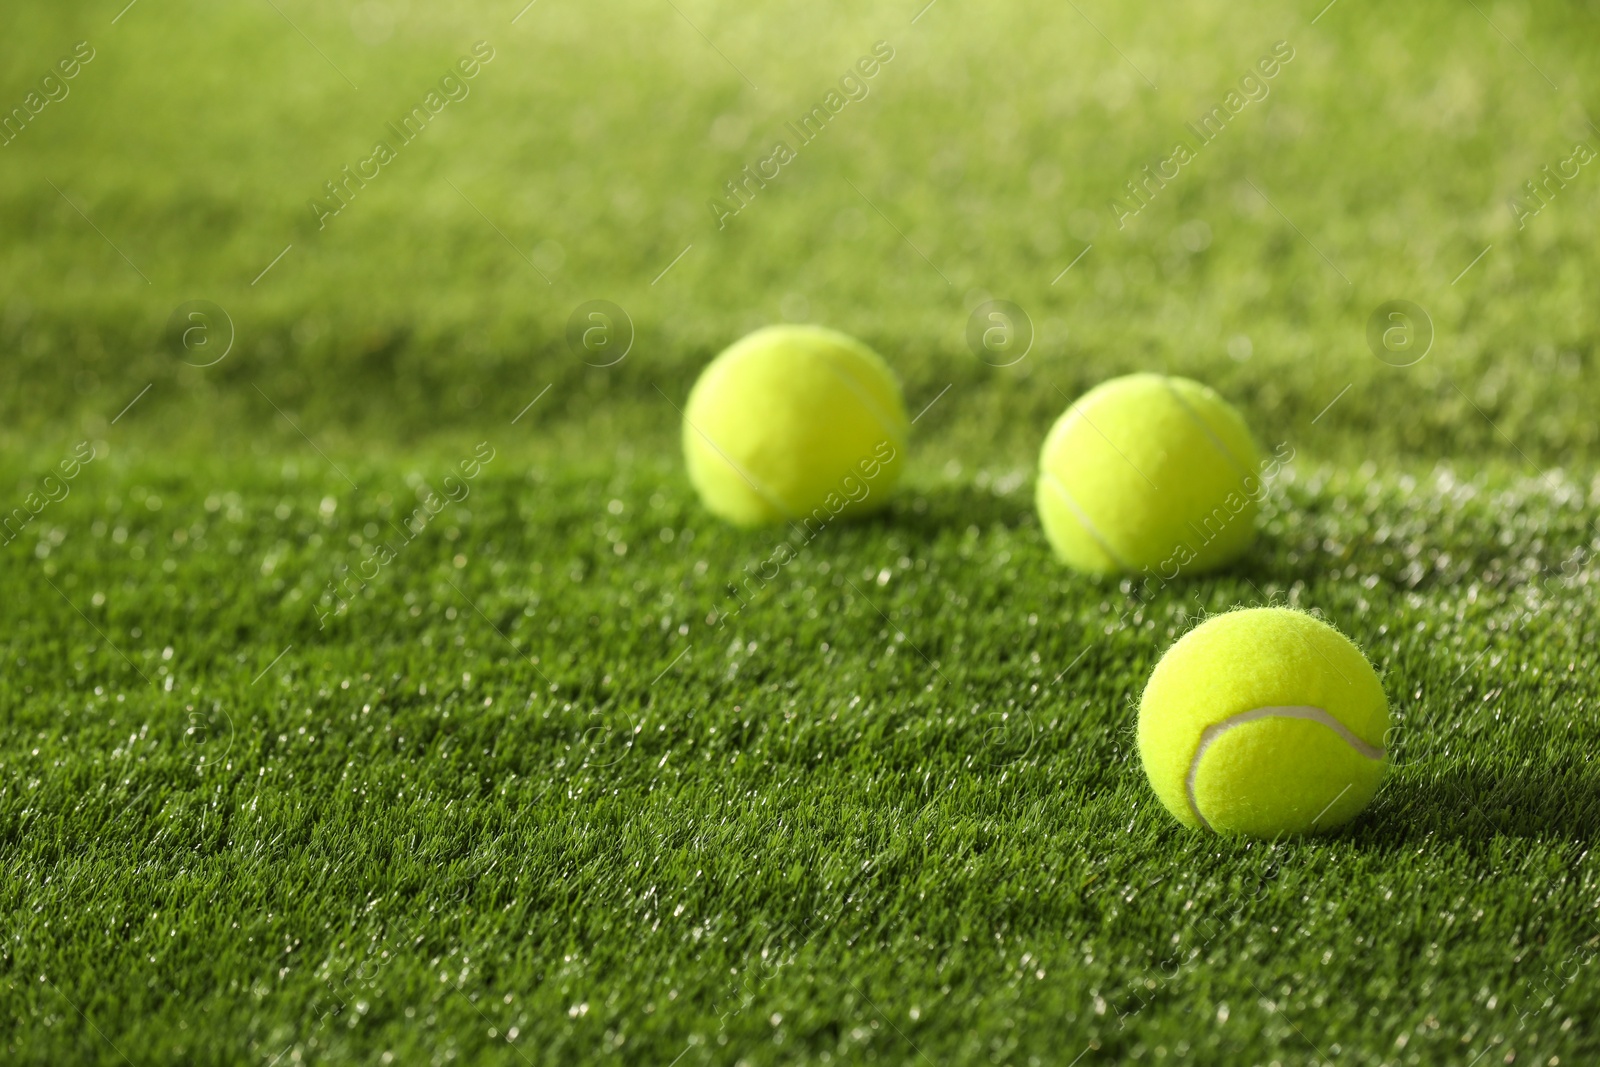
x: 952, y: 508
x: 1533, y: 800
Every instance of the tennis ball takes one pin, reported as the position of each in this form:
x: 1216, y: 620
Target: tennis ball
x: 1263, y: 721
x: 1149, y: 473
x: 794, y: 424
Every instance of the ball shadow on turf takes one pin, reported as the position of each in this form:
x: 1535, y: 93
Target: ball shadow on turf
x: 946, y: 509
x: 1532, y: 800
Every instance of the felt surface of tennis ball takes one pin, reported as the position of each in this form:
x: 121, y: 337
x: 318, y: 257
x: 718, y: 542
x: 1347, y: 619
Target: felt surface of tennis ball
x: 1264, y: 721
x: 1149, y: 473
x: 795, y: 424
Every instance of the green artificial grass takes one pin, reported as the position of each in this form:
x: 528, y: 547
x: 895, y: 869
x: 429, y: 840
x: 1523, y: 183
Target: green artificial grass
x: 984, y: 161
x: 567, y: 771
x: 546, y: 777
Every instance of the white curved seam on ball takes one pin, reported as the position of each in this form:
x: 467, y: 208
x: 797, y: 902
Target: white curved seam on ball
x: 1083, y: 519
x: 885, y: 421
x: 1294, y: 711
x: 1205, y: 428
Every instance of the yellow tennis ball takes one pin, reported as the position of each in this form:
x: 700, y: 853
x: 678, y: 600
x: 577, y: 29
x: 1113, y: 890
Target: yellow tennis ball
x: 795, y: 424
x: 1264, y: 721
x: 1149, y: 473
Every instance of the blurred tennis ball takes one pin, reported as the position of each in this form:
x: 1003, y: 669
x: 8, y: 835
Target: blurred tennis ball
x: 1149, y: 471
x: 794, y: 423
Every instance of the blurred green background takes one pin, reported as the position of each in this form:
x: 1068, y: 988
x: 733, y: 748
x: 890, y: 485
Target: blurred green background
x: 582, y: 163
